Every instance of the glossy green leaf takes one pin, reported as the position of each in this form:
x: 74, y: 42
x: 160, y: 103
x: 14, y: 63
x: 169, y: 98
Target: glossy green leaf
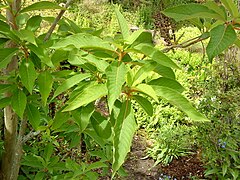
x: 6, y: 55
x: 147, y: 90
x: 122, y: 23
x: 69, y: 83
x: 83, y: 40
x: 189, y: 11
x: 180, y: 101
x: 34, y: 23
x: 124, y: 130
x: 5, y: 102
x: 59, y: 119
x: 167, y: 82
x: 232, y: 7
x: 116, y: 73
x: 45, y: 82
x: 19, y: 101
x: 221, y: 37
x: 88, y: 95
x: 82, y: 116
x: 33, y: 115
x: 156, y: 55
x: 27, y: 74
x: 145, y: 104
x: 41, y: 6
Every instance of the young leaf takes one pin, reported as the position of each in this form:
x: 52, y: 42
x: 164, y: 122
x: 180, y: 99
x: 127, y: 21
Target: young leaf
x: 48, y: 151
x: 6, y: 55
x: 33, y: 115
x: 221, y: 37
x: 232, y: 7
x: 124, y: 130
x: 69, y: 83
x: 45, y: 82
x: 122, y: 23
x: 115, y: 79
x: 156, y: 55
x: 33, y: 23
x: 189, y: 11
x: 27, y: 74
x: 145, y: 104
x: 170, y: 83
x: 180, y: 101
x: 88, y: 95
x: 147, y: 90
x: 19, y: 101
x: 41, y: 6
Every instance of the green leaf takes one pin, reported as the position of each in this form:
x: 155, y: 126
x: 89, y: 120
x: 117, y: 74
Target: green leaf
x: 34, y: 23
x: 143, y: 73
x: 83, y: 40
x: 134, y: 36
x: 41, y: 6
x: 6, y: 55
x: 147, y: 90
x: 88, y: 95
x: 27, y: 74
x: 4, y: 27
x: 180, y: 101
x: 218, y: 9
x: 59, y: 119
x: 82, y: 116
x: 156, y: 55
x: 122, y: 23
x: 45, y: 82
x: 124, y: 130
x: 33, y: 116
x: 69, y: 83
x: 164, y: 71
x: 231, y: 6
x: 145, y: 104
x: 5, y: 102
x: 48, y: 151
x: 116, y: 73
x: 190, y: 11
x: 101, y: 125
x: 96, y: 165
x: 221, y: 37
x: 224, y: 168
x: 19, y: 101
x: 39, y: 51
x: 5, y: 88
x: 167, y: 82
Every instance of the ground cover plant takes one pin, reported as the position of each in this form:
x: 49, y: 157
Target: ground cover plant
x: 77, y: 85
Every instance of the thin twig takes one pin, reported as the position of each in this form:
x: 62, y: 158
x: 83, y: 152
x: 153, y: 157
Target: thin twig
x: 30, y: 135
x: 185, y: 44
x: 57, y: 19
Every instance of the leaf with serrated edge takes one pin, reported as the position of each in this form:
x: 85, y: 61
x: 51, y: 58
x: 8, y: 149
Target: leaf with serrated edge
x: 45, y: 82
x: 147, y: 90
x: 88, y: 95
x: 33, y: 115
x: 116, y: 77
x: 180, y: 101
x: 19, y: 101
x: 69, y: 83
x: 221, y: 37
x: 122, y: 23
x: 27, y: 74
x: 145, y: 104
x: 124, y: 130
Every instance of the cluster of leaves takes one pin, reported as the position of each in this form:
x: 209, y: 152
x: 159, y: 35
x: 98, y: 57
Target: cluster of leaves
x: 95, y: 98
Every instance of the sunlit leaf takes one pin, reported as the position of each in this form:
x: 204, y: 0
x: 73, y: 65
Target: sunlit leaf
x: 145, y: 104
x: 45, y: 82
x: 41, y: 6
x: 34, y: 23
x: 232, y: 7
x: 19, y: 101
x: 122, y: 23
x: 147, y: 90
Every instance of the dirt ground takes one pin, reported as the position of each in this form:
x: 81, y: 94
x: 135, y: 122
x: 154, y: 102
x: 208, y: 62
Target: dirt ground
x: 140, y: 168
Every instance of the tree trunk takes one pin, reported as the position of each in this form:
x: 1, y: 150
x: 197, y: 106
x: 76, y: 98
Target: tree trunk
x: 10, y: 155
